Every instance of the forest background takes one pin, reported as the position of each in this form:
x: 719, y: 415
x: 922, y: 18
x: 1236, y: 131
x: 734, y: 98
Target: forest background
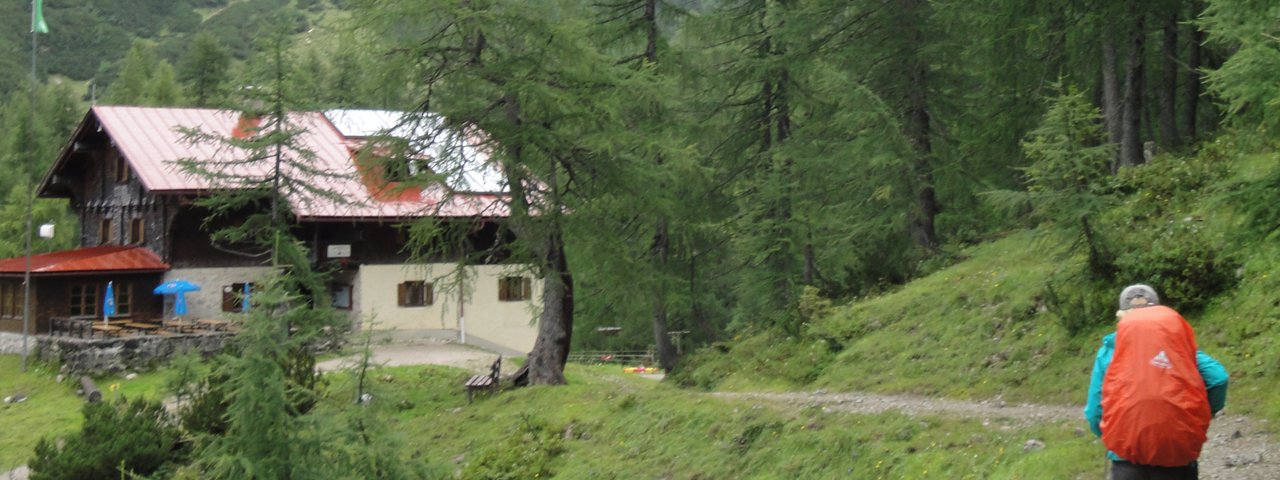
x: 753, y: 157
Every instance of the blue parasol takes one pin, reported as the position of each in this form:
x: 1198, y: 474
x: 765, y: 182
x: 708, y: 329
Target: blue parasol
x: 109, y: 303
x: 177, y: 288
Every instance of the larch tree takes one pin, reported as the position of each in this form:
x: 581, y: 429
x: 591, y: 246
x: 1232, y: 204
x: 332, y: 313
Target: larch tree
x: 523, y: 84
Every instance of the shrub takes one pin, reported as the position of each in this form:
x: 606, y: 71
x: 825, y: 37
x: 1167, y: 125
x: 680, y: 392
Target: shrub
x: 1079, y: 300
x: 525, y: 453
x: 1186, y: 269
x: 135, y: 437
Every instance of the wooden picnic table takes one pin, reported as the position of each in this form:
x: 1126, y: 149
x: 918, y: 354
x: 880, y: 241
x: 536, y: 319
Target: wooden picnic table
x: 142, y: 326
x: 107, y: 330
x: 180, y: 326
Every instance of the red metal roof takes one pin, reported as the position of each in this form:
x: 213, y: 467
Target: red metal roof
x: 152, y: 141
x: 108, y: 258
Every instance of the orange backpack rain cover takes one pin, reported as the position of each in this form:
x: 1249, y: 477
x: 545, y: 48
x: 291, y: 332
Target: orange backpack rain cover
x: 1155, y: 409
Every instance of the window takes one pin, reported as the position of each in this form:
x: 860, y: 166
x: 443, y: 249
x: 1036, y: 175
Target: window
x: 341, y: 295
x: 514, y: 289
x: 121, y: 168
x: 11, y: 299
x: 235, y: 297
x: 105, y: 232
x: 124, y: 298
x: 137, y: 231
x: 84, y: 300
x: 415, y: 293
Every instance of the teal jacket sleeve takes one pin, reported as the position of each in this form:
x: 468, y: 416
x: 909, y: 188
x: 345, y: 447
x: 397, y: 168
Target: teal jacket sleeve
x: 1093, y: 406
x: 1215, y: 380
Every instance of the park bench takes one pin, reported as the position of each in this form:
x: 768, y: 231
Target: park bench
x: 484, y: 382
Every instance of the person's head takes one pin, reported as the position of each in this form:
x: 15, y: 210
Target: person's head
x: 1138, y: 296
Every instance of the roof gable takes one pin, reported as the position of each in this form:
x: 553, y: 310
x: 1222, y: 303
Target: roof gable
x: 152, y: 141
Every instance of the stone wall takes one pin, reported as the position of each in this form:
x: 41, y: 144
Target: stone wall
x: 95, y: 356
x: 11, y: 343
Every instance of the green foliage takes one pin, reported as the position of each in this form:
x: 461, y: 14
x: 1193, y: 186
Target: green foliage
x: 1068, y: 177
x: 1079, y: 301
x: 1245, y: 80
x: 237, y: 25
x: 125, y: 437
x: 130, y: 87
x: 205, y: 411
x: 204, y: 70
x: 528, y: 450
x: 1189, y: 267
x: 1067, y: 151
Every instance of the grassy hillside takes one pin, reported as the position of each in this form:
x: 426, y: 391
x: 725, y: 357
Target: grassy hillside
x: 608, y: 424
x: 995, y: 323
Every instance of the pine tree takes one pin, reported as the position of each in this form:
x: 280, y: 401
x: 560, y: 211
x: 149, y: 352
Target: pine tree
x: 162, y: 89
x: 130, y: 87
x: 204, y: 70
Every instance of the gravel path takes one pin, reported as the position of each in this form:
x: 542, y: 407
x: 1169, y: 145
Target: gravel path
x: 1238, y: 447
x: 424, y: 352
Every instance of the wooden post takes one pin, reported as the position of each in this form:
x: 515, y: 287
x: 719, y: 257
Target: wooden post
x: 91, y: 392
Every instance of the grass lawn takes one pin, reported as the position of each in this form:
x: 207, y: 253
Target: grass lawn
x: 51, y: 408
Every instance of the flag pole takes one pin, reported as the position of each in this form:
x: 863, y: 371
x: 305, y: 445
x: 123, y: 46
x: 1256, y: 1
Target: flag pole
x: 31, y: 189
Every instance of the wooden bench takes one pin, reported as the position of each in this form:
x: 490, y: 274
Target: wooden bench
x: 484, y: 382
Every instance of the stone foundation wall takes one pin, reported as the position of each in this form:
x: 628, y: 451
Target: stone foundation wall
x: 93, y: 356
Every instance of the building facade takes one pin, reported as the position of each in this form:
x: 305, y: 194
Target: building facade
x: 121, y: 175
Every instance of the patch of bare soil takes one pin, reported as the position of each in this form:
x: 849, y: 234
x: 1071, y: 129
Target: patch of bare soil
x: 1238, y: 448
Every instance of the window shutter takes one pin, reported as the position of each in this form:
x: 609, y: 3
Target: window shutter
x: 504, y: 289
x: 527, y: 286
x: 402, y: 294
x: 428, y: 293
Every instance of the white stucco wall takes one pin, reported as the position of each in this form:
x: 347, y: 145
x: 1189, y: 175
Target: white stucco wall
x: 484, y: 319
x: 207, y: 303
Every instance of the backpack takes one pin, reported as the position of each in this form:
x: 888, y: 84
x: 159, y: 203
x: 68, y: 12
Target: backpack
x: 1155, y: 408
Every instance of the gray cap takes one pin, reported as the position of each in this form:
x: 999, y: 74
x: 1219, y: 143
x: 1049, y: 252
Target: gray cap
x: 1129, y: 297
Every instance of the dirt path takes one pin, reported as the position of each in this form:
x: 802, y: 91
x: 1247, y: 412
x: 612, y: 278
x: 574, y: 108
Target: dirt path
x: 1238, y: 448
x: 425, y: 352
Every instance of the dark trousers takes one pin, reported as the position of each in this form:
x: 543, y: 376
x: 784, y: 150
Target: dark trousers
x: 1128, y: 471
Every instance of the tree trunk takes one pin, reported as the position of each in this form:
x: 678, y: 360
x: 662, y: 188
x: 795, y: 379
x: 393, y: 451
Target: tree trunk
x: 1131, y: 116
x: 667, y: 355
x: 1169, y: 88
x: 917, y: 125
x: 660, y: 252
x: 1191, y: 103
x: 1110, y: 95
x: 555, y: 325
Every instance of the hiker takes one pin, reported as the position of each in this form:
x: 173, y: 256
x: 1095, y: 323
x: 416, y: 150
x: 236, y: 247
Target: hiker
x: 1152, y: 393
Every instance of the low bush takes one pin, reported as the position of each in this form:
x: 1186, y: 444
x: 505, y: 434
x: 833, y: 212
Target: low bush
x: 117, y: 440
x: 1187, y: 269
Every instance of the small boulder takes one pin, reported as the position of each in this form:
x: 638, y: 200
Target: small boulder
x: 1240, y: 460
x: 1032, y: 445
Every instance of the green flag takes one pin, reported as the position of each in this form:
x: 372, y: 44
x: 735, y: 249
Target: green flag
x: 37, y: 17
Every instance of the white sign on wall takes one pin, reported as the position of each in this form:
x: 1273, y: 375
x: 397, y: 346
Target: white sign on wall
x: 338, y: 251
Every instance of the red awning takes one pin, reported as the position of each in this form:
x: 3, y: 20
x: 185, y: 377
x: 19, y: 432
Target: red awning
x: 108, y: 258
